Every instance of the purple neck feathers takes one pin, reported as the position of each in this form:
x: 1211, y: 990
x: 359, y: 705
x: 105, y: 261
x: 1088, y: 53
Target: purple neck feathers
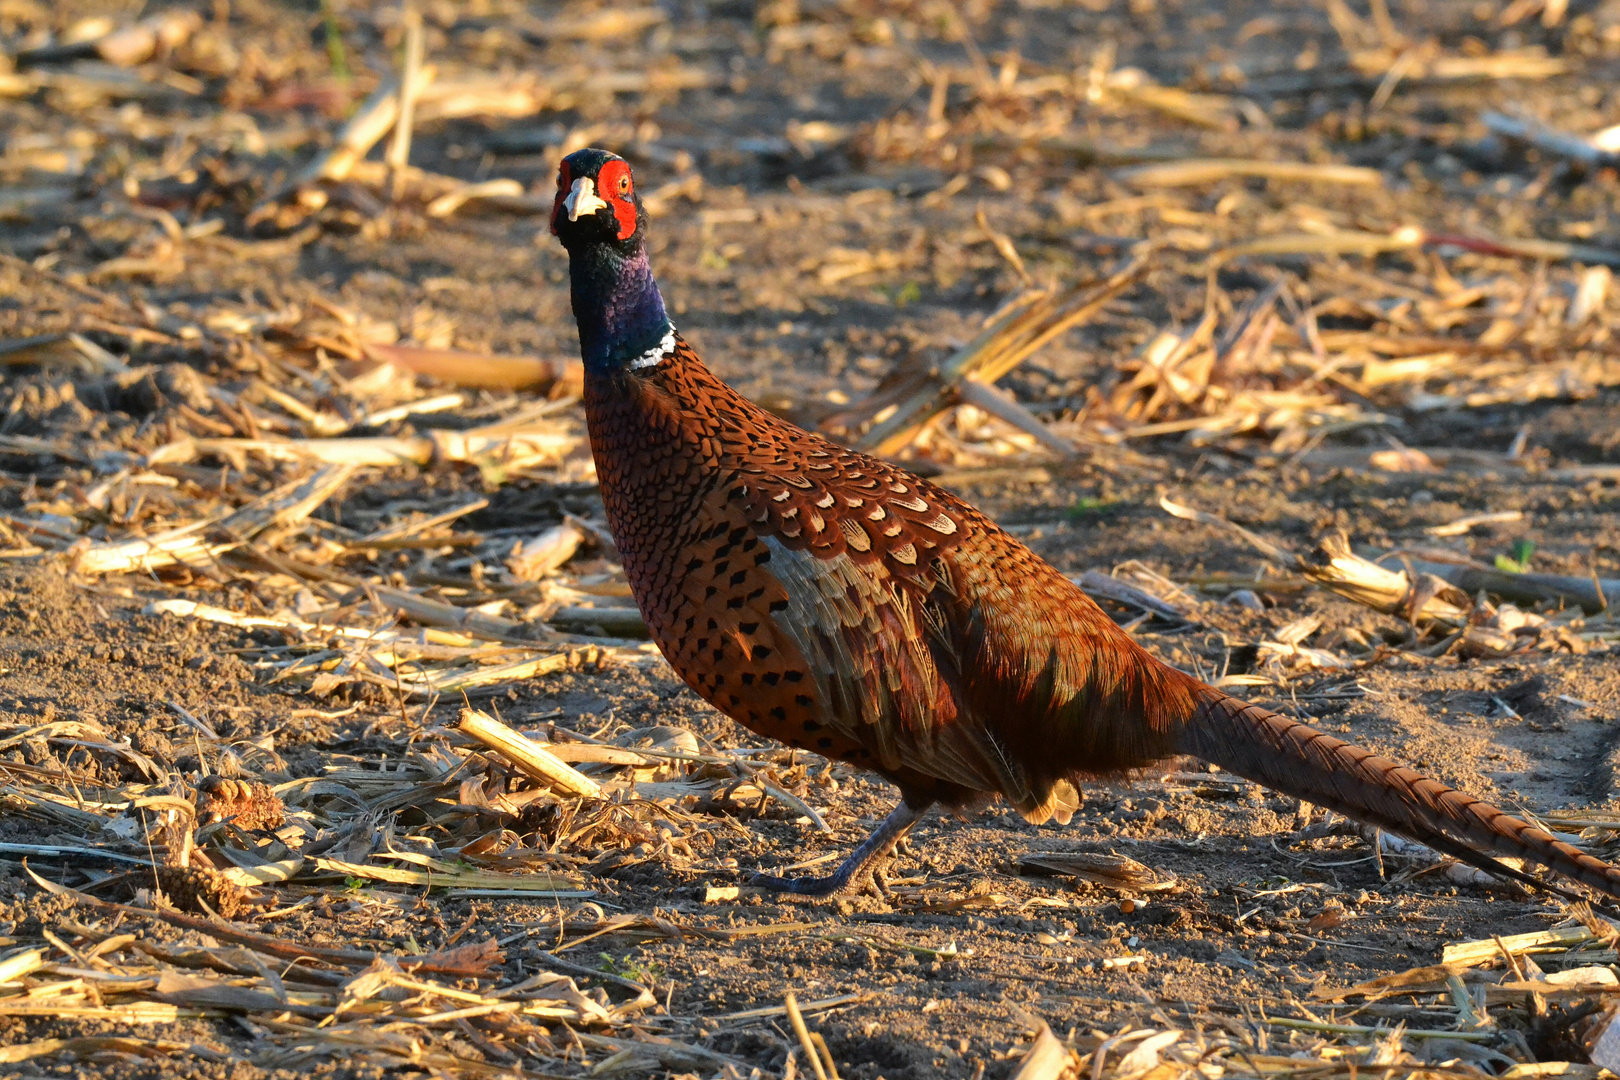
x: 617, y: 305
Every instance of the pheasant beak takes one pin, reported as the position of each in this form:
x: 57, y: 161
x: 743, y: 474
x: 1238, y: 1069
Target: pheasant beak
x: 582, y: 200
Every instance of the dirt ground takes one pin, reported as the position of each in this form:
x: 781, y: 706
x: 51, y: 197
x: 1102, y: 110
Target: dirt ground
x: 950, y: 971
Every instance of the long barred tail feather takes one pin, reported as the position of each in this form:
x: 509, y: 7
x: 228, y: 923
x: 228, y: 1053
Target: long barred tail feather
x: 1298, y: 760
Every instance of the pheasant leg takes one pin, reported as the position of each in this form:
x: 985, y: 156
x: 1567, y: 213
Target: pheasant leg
x: 856, y: 871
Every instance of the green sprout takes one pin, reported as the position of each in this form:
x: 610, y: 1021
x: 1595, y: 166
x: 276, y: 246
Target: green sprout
x: 335, y: 52
x: 646, y: 974
x: 1091, y: 508
x: 1518, y: 560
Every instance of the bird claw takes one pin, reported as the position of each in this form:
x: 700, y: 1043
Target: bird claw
x: 862, y: 871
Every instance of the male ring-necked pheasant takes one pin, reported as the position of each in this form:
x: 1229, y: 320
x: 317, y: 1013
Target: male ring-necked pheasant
x: 839, y: 603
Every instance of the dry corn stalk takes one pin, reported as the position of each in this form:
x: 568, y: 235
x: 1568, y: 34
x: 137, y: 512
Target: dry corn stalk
x: 1332, y: 565
x: 483, y: 371
x: 1048, y: 1058
x: 290, y: 503
x: 623, y: 622
x: 445, y: 875
x: 515, y: 448
x: 1210, y: 170
x: 533, y: 559
x: 529, y: 756
x: 374, y: 119
x: 1593, y: 594
x: 456, y: 682
x: 1110, y: 871
x: 910, y: 398
x: 1098, y: 584
x: 469, y: 621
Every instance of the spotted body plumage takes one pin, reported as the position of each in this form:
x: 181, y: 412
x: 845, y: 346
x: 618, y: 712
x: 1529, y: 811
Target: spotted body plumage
x: 830, y: 600
x: 838, y: 603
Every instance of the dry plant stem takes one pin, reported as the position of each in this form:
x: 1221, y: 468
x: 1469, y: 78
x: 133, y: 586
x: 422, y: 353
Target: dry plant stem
x: 410, y: 87
x: 370, y: 122
x: 20, y: 964
x: 1550, y: 140
x: 671, y: 1055
x: 644, y: 999
x: 1359, y: 1029
x: 428, y: 612
x: 1558, y: 939
x: 825, y: 1052
x: 469, y: 621
x: 1003, y: 407
x: 529, y: 756
x: 1046, y: 1060
x: 464, y: 624
x: 794, y: 803
x: 419, y: 407
x: 621, y: 622
x: 359, y: 1040
x: 397, y: 646
x: 124, y: 1047
x: 781, y: 1010
x: 1550, y: 250
x: 520, y: 671
x: 505, y: 193
x: 264, y: 943
x: 440, y: 875
x: 1335, y: 567
x: 286, y: 505
x: 412, y: 528
x: 547, y: 552
x: 1209, y: 171
x: 424, y: 641
x: 1004, y: 247
x: 507, y: 446
x: 1594, y: 595
x: 365, y: 129
x: 1463, y: 525
x: 1109, y: 588
x: 1003, y: 345
x: 796, y: 1018
x: 1335, y: 243
x: 478, y: 370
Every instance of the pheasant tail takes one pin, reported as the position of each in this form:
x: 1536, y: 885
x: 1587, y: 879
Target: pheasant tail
x: 1298, y: 760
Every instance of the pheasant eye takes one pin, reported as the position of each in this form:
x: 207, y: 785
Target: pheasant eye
x: 624, y: 185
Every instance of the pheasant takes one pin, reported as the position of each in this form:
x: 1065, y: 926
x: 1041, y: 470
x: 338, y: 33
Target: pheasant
x: 838, y: 603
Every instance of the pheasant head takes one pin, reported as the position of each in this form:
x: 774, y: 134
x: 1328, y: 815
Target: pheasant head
x: 600, y: 220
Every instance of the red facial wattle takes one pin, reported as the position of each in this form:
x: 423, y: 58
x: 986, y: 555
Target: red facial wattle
x: 613, y: 183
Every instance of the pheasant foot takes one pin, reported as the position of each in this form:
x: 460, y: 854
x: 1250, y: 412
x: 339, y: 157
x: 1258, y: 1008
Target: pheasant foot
x: 856, y: 873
